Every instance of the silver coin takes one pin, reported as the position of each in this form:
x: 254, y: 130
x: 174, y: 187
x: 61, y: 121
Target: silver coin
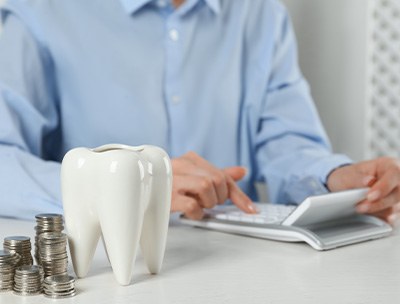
x: 46, y: 225
x: 59, y: 279
x: 49, y: 228
x: 59, y: 286
x: 52, y: 249
x: 48, y: 216
x: 26, y: 279
x: 28, y: 288
x: 60, y: 296
x: 52, y: 264
x: 17, y: 238
x: 32, y: 287
x: 54, y: 271
x: 9, y: 256
x: 56, y: 262
x: 28, y: 285
x: 5, y: 254
x: 52, y: 246
x: 54, y: 257
x: 8, y: 276
x: 28, y: 269
x: 7, y: 271
x: 68, y: 293
x: 17, y: 246
x: 27, y: 293
x: 52, y: 236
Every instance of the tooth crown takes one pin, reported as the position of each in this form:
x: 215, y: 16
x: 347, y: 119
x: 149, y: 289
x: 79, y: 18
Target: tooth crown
x: 123, y: 194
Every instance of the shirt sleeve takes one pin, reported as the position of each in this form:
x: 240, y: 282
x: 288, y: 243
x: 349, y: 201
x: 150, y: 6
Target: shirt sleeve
x: 29, y: 178
x: 293, y: 152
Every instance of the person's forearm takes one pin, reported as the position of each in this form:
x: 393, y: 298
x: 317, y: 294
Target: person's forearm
x: 299, y: 171
x: 28, y: 185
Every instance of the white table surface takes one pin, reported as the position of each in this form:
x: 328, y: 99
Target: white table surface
x: 203, y: 266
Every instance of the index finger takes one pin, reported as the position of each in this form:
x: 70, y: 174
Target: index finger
x: 239, y: 198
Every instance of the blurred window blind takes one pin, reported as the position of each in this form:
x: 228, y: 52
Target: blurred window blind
x: 383, y: 110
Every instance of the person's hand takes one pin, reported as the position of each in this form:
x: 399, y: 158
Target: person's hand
x: 383, y: 176
x: 197, y: 184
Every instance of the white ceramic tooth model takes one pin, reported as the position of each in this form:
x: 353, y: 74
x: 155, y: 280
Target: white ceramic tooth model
x: 122, y: 193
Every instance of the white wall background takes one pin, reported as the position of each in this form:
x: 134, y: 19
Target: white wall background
x: 332, y: 48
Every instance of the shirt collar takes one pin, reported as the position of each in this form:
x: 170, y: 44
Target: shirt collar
x: 215, y: 5
x: 132, y: 6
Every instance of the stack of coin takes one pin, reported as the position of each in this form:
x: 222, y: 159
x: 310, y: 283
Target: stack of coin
x: 53, y: 253
x: 8, y: 260
x: 20, y: 245
x: 59, y: 286
x: 47, y: 222
x: 28, y: 280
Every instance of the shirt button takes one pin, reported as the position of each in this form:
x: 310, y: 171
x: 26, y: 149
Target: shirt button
x: 174, y: 35
x: 161, y: 3
x: 176, y: 99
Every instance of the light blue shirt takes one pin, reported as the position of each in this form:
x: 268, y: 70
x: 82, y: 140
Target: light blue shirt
x: 218, y: 77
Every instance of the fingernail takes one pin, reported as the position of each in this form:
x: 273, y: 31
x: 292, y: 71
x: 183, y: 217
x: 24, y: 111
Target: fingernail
x: 245, y: 170
x: 363, y: 208
x: 367, y: 180
x: 374, y: 195
x: 394, y: 219
x: 253, y: 208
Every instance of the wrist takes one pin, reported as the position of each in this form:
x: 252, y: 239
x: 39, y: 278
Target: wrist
x: 332, y: 179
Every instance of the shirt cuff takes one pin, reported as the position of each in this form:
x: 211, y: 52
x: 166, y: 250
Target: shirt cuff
x: 326, y: 166
x: 314, y: 182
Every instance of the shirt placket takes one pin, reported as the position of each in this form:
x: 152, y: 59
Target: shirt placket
x: 174, y: 45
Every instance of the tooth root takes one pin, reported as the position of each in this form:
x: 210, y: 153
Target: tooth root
x: 80, y: 217
x: 121, y: 210
x: 156, y: 218
x: 82, y: 246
